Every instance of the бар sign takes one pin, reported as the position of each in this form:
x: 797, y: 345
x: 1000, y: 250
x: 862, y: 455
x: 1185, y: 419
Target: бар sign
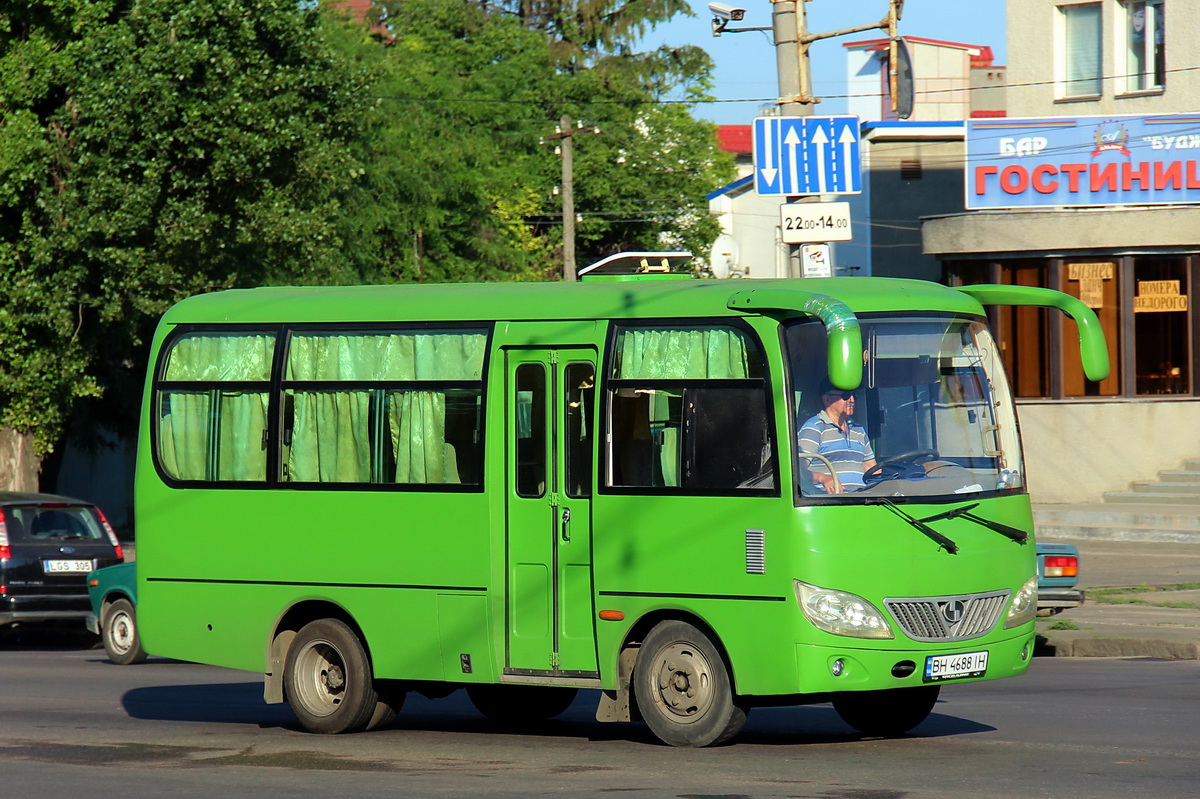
x: 1070, y: 161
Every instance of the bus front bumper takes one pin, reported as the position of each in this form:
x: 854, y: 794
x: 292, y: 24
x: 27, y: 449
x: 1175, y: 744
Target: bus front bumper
x: 824, y: 669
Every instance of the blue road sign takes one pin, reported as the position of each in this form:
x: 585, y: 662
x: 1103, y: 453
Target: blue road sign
x: 807, y: 155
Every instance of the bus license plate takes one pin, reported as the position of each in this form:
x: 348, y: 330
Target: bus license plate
x: 67, y: 566
x: 955, y: 667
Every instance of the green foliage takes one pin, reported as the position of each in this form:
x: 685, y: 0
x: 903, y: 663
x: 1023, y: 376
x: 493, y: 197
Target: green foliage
x: 153, y: 149
x: 458, y: 186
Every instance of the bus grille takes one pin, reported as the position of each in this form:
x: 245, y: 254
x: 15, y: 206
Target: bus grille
x: 948, y: 618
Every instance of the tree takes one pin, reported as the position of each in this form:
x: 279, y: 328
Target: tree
x: 458, y: 186
x: 450, y: 152
x: 152, y: 150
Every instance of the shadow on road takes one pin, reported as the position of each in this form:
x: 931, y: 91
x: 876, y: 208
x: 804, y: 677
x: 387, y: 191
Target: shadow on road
x: 242, y: 703
x: 222, y: 703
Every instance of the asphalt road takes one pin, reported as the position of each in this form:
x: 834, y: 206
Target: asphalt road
x: 75, y: 725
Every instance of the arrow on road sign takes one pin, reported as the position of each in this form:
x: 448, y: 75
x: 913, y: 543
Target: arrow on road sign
x: 768, y: 172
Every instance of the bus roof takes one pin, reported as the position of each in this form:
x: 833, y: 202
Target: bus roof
x: 545, y: 301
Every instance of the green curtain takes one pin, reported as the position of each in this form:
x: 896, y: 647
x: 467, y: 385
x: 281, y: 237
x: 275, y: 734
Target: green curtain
x: 682, y: 353
x: 417, y: 421
x: 183, y: 434
x: 196, y: 445
x: 186, y: 435
x: 386, y: 356
x: 221, y: 357
x: 331, y: 430
x: 331, y: 437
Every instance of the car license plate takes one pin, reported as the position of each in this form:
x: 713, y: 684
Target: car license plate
x: 67, y: 566
x: 955, y: 667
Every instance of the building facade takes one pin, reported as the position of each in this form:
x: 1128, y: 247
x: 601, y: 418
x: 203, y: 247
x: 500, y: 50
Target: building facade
x: 1092, y: 186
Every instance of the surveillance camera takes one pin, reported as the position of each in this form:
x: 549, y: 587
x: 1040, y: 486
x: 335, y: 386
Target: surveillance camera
x: 726, y: 12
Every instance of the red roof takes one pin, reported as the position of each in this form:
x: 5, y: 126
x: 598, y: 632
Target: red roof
x: 735, y: 139
x: 981, y: 54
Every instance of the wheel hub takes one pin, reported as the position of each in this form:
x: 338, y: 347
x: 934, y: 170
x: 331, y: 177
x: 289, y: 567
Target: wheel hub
x: 684, y: 683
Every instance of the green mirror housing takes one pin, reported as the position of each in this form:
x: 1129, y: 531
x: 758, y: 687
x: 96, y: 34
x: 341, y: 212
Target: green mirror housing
x: 1092, y: 348
x: 841, y: 326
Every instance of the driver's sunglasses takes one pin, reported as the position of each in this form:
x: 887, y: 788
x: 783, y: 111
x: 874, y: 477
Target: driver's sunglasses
x: 846, y: 395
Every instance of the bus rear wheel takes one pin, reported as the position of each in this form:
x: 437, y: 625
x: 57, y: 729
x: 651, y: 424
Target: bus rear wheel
x: 329, y: 684
x: 520, y: 704
x: 886, y: 713
x: 682, y: 688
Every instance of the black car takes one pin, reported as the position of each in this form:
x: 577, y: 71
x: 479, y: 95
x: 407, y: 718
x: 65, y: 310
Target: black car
x: 48, y: 545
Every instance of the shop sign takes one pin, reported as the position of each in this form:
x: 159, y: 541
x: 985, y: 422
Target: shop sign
x: 1074, y: 161
x: 1091, y: 277
x: 1159, y: 295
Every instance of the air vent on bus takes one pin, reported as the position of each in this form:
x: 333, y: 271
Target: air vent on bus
x: 756, y: 555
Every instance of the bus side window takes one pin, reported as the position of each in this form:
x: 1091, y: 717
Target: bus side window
x: 688, y: 411
x: 212, y: 422
x: 389, y: 406
x: 531, y: 430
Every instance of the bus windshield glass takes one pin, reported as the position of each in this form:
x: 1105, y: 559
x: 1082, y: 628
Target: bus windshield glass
x: 933, y: 416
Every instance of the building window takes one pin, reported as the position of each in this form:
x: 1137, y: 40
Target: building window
x: 1145, y: 52
x: 1080, y: 51
x: 1097, y: 284
x: 1160, y: 325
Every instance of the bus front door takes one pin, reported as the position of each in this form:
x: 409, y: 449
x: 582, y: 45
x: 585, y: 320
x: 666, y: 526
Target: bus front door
x: 551, y: 407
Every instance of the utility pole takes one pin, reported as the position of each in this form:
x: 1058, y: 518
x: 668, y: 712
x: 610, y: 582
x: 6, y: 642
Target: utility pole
x: 789, y: 25
x: 568, y: 199
x: 789, y: 22
x: 566, y: 149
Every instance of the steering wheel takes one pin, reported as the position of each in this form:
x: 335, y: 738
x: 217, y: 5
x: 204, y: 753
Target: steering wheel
x: 906, y: 463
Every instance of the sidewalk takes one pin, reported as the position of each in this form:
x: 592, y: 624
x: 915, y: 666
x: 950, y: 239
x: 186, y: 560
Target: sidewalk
x: 1145, y: 621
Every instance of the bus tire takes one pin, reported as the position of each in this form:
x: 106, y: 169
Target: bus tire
x: 887, y: 713
x: 520, y: 704
x: 119, y: 631
x: 328, y: 680
x: 390, y: 698
x: 682, y: 688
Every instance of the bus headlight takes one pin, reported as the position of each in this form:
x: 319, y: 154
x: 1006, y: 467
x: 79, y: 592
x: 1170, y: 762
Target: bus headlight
x: 841, y: 613
x: 1024, y: 605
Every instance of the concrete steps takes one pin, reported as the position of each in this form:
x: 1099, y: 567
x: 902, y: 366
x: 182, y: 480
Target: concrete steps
x: 1119, y: 521
x: 1166, y: 509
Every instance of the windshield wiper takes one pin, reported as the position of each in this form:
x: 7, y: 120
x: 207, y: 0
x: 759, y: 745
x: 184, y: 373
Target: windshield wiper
x: 920, y: 524
x: 1020, y: 536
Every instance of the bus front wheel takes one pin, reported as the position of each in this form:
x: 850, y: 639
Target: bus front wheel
x: 682, y: 688
x: 886, y: 713
x: 329, y: 684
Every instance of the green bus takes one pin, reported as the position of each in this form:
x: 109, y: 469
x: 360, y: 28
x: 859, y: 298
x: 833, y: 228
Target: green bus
x: 527, y: 489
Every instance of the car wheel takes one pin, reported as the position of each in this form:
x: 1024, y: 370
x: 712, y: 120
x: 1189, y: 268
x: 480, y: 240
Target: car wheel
x: 119, y: 632
x: 328, y: 680
x: 682, y: 688
x: 886, y: 713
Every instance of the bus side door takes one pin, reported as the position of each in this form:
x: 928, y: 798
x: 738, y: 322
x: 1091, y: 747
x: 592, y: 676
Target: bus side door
x: 551, y: 407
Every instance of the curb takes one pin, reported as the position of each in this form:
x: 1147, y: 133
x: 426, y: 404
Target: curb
x: 1116, y: 648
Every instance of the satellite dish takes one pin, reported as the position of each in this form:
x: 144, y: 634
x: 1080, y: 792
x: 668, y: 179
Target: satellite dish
x: 723, y: 257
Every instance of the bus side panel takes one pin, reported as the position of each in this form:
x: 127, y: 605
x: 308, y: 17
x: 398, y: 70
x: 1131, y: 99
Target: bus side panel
x: 688, y: 556
x: 238, y: 560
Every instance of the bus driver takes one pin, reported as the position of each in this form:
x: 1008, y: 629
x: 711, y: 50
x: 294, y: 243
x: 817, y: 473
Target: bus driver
x: 834, y: 434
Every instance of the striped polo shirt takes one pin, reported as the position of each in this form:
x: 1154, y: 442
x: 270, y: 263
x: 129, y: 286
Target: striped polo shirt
x: 847, y: 451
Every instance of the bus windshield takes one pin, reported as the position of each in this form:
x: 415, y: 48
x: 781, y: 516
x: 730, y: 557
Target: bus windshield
x: 932, y: 418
